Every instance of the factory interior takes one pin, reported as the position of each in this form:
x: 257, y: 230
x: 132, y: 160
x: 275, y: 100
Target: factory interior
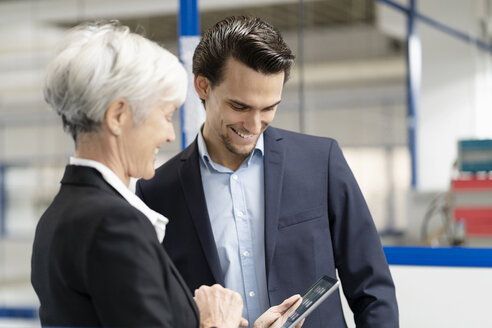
x: 404, y: 86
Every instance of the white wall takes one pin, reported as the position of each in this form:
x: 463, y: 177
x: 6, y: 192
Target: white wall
x: 450, y: 297
x: 443, y: 296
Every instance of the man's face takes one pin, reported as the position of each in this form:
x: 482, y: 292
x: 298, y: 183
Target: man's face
x: 238, y: 110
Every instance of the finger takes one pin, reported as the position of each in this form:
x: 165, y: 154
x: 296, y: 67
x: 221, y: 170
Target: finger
x: 286, y: 304
x: 237, y: 298
x: 243, y: 323
x: 299, y: 325
x: 201, y: 289
x: 266, y: 319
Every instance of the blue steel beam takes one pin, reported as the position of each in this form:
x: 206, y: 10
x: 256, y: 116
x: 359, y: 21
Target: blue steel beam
x: 188, y: 26
x: 189, y: 18
x: 439, y: 256
x: 413, y: 60
x: 19, y: 312
x: 439, y: 26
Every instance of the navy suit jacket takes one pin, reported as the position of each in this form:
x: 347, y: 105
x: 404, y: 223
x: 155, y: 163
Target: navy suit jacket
x: 316, y: 221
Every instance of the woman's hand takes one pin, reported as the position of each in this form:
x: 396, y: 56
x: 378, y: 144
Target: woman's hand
x: 219, y: 307
x: 276, y: 316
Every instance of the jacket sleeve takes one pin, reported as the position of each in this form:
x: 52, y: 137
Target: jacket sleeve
x: 359, y: 257
x: 125, y: 275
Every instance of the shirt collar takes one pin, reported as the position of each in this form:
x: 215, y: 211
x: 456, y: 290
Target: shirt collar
x: 205, y: 157
x: 158, y: 220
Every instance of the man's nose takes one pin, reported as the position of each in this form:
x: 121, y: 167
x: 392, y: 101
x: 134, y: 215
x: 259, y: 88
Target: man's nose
x: 253, y: 122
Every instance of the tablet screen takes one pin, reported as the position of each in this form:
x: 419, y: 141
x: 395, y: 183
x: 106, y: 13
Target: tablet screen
x: 314, y: 297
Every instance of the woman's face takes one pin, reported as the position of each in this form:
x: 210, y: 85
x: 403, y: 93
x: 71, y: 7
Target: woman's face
x: 142, y: 140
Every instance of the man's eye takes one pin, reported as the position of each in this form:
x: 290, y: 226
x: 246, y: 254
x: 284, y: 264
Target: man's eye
x: 238, y: 108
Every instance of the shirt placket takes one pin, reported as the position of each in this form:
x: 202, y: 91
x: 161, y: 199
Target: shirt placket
x: 244, y: 236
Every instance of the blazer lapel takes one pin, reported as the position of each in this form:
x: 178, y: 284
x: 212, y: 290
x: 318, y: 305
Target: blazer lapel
x: 191, y: 183
x: 84, y: 175
x: 274, y: 171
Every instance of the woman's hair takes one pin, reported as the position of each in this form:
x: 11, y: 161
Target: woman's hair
x: 100, y: 62
x: 250, y: 40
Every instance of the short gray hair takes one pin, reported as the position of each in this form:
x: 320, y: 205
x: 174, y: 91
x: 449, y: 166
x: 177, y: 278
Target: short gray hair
x: 100, y: 62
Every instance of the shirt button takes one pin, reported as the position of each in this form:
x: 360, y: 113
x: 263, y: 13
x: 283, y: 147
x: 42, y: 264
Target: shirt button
x: 240, y: 214
x: 252, y: 294
x: 234, y: 176
x: 246, y: 253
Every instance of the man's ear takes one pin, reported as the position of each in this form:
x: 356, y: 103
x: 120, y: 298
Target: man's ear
x: 202, y: 86
x: 117, y: 115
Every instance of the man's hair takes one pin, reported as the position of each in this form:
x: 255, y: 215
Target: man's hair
x: 249, y: 40
x: 100, y: 62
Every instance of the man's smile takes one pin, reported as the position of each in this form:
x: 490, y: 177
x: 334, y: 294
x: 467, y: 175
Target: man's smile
x: 242, y: 135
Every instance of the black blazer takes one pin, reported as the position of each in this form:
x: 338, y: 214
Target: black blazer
x: 316, y: 221
x: 97, y: 262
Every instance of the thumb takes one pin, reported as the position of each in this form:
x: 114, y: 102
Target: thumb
x: 243, y: 323
x: 286, y: 304
x: 301, y: 323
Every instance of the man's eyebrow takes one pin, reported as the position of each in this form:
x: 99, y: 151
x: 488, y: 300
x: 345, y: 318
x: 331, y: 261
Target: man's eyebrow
x: 237, y: 102
x: 273, y: 105
x: 241, y: 104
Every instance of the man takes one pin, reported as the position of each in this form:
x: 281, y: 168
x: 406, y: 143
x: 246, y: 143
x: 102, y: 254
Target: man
x: 264, y: 211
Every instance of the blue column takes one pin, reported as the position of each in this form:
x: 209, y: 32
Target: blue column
x: 413, y: 63
x: 192, y: 113
x: 189, y: 18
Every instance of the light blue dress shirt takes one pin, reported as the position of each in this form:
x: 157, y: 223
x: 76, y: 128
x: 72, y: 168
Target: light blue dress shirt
x: 235, y: 203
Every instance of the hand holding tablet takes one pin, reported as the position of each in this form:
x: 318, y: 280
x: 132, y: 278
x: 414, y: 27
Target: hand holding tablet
x: 292, y: 312
x: 310, y: 301
x: 275, y: 316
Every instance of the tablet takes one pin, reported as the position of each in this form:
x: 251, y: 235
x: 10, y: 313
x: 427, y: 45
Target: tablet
x: 312, y: 299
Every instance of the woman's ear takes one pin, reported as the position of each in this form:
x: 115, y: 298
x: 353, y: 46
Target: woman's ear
x: 117, y: 115
x: 202, y: 86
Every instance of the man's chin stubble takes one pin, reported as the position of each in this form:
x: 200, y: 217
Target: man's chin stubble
x: 228, y: 144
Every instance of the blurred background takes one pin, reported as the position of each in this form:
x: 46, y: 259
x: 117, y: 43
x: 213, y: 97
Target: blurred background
x: 407, y: 94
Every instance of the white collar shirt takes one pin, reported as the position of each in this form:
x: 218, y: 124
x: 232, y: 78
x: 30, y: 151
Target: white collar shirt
x: 158, y: 220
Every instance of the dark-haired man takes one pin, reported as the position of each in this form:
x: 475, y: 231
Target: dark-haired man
x: 260, y: 210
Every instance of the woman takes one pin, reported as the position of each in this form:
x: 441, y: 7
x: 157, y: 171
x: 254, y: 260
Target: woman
x: 97, y: 258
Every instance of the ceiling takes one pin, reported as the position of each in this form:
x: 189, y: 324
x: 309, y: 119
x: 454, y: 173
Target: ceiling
x: 285, y: 16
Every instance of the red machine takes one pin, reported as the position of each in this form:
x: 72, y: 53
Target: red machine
x: 471, y: 204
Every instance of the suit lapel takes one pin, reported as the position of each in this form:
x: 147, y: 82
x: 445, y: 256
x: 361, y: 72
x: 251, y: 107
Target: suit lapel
x: 84, y: 175
x: 274, y: 171
x: 191, y: 183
